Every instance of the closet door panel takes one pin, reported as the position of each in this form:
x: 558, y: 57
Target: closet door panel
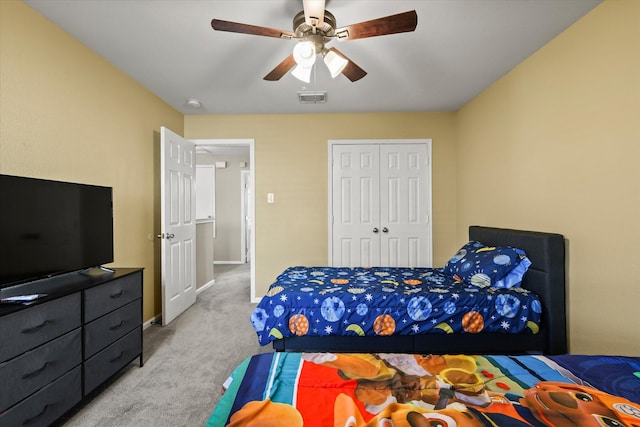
x: 405, y: 203
x: 356, y: 209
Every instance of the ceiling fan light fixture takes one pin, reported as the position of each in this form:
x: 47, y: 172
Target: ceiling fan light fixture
x: 304, y: 53
x: 302, y: 73
x: 334, y: 62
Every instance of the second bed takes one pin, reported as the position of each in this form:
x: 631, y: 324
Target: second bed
x: 503, y: 292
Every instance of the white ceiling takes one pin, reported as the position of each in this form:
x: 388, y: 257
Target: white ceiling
x: 459, y: 48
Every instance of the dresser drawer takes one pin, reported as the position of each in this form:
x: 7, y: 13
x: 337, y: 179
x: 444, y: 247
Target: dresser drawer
x: 102, y: 299
x: 113, y: 358
x: 107, y: 329
x: 48, y: 404
x: 34, y: 369
x: 28, y: 328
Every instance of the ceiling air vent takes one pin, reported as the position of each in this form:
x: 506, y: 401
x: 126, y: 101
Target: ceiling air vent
x: 312, y: 97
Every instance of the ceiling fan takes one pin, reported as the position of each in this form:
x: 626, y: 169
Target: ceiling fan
x: 313, y: 28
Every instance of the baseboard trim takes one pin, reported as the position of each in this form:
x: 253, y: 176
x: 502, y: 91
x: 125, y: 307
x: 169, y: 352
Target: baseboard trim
x: 206, y: 286
x: 157, y: 320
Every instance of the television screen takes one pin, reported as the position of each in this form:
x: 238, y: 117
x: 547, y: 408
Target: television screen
x: 51, y: 227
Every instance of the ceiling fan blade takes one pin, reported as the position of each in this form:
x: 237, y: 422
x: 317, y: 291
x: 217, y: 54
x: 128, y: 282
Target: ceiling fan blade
x: 281, y: 69
x: 236, y: 27
x: 313, y: 12
x: 352, y: 71
x: 393, y: 24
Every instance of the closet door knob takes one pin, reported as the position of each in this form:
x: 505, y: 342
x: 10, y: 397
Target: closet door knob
x: 375, y: 229
x: 385, y: 230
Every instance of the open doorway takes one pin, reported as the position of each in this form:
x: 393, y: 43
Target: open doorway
x: 233, y: 222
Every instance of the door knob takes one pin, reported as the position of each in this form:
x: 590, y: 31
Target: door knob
x: 385, y: 230
x: 375, y: 229
x: 170, y: 235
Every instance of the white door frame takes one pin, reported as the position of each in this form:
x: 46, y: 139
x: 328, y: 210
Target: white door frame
x: 250, y: 143
x: 245, y: 189
x: 333, y: 142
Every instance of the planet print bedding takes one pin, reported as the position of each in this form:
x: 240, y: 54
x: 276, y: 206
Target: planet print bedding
x: 329, y: 301
x: 409, y: 390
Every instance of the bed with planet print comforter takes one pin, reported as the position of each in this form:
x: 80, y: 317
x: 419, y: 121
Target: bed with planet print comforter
x: 502, y: 292
x: 411, y: 390
x: 325, y: 301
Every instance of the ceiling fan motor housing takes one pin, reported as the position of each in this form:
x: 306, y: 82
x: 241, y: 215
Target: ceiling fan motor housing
x: 318, y: 35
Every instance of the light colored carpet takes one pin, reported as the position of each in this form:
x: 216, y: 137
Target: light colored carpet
x: 185, y: 363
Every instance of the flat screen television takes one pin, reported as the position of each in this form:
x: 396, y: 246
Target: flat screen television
x: 49, y: 228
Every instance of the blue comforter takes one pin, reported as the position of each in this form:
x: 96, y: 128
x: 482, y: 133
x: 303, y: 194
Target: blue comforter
x: 324, y: 301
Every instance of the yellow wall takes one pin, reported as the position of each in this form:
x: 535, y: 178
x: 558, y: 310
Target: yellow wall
x: 67, y: 114
x: 291, y: 162
x: 555, y: 146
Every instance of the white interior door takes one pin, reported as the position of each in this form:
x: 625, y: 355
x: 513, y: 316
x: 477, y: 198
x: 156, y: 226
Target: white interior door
x: 405, y: 200
x: 178, y: 225
x: 380, y: 204
x: 356, y: 208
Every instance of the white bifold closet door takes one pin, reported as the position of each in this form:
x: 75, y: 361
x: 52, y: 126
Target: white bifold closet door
x: 381, y: 204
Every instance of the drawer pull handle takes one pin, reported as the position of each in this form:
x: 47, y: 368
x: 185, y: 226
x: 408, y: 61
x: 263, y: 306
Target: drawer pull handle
x: 118, y: 295
x: 35, y: 417
x: 35, y: 328
x: 117, y: 357
x: 119, y: 325
x: 36, y: 372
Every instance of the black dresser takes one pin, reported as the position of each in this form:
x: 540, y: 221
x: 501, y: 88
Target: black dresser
x: 53, y: 353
